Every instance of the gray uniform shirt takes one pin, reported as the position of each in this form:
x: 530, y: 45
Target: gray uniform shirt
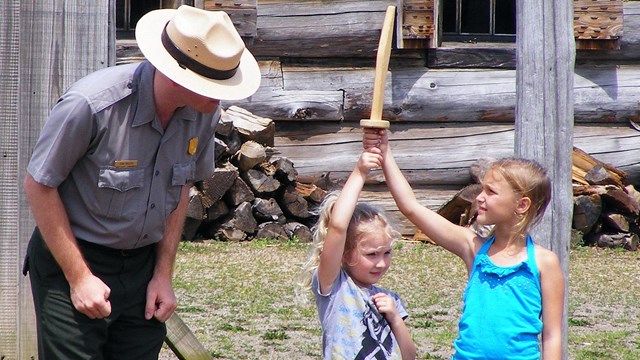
x: 118, y: 172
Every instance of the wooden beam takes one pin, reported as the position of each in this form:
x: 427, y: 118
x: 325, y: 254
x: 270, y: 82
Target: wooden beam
x: 544, y: 115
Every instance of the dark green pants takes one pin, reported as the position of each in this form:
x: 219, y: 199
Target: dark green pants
x: 65, y: 333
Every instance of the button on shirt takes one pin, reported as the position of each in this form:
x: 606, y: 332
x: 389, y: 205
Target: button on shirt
x: 118, y: 172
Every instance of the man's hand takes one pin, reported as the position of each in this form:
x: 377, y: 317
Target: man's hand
x: 90, y: 296
x: 161, y: 301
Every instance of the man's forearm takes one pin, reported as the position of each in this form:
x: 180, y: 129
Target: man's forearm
x: 53, y: 222
x: 167, y: 248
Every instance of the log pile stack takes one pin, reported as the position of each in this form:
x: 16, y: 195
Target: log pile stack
x: 251, y: 195
x: 254, y: 194
x: 606, y: 210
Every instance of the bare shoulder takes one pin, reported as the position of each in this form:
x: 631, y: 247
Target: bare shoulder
x: 477, y: 241
x: 546, y: 259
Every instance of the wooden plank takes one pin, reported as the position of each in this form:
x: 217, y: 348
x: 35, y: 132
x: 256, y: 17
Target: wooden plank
x: 183, y: 342
x: 418, y: 20
x: 598, y: 24
x: 319, y: 103
x: 629, y: 50
x: 613, y: 7
x: 245, y: 22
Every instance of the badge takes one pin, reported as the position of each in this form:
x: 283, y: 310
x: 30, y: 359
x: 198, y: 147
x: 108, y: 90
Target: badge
x: 193, y: 146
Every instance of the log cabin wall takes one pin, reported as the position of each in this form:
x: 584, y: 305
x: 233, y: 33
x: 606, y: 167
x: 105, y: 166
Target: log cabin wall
x: 449, y: 103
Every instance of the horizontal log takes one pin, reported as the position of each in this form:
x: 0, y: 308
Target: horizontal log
x: 347, y: 29
x: 455, y: 55
x: 313, y: 28
x: 435, y: 154
x: 311, y: 56
x: 417, y: 94
x: 432, y: 197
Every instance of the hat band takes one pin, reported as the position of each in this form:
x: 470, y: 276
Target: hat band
x: 186, y: 62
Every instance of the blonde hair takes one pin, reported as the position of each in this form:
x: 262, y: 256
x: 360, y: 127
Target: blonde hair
x: 527, y: 178
x: 365, y: 219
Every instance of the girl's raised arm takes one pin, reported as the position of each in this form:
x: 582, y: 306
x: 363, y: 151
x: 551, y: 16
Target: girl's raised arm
x: 457, y: 239
x: 333, y: 248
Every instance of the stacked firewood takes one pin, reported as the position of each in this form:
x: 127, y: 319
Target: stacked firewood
x: 251, y: 195
x: 606, y: 210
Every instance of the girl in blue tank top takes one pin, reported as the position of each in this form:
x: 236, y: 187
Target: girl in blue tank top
x: 510, y: 278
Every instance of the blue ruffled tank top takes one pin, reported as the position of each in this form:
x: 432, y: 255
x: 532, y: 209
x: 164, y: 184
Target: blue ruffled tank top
x: 501, y: 315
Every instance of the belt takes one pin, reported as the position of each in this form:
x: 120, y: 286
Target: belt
x: 115, y: 252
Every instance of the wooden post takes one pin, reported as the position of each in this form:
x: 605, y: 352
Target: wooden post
x: 47, y: 48
x: 10, y: 286
x: 545, y: 53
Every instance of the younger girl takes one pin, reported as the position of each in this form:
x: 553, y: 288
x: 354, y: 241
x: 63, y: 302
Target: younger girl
x: 352, y: 251
x: 515, y: 289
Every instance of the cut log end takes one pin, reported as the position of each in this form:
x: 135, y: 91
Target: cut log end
x: 378, y: 124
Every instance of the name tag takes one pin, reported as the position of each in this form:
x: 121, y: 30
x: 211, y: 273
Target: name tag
x: 126, y: 163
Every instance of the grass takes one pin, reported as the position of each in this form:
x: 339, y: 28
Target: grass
x: 239, y: 299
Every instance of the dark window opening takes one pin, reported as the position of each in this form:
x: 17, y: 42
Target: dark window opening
x: 128, y: 12
x: 479, y: 20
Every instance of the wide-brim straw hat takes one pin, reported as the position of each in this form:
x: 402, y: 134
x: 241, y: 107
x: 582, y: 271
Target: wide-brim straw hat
x: 200, y: 50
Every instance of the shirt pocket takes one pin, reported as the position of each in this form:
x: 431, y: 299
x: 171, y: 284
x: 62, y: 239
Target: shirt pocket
x: 120, y: 194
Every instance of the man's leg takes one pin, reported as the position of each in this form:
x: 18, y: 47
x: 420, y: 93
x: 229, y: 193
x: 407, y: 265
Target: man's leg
x: 132, y: 337
x: 63, y: 332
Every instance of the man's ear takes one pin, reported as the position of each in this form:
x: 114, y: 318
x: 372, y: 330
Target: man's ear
x: 523, y: 205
